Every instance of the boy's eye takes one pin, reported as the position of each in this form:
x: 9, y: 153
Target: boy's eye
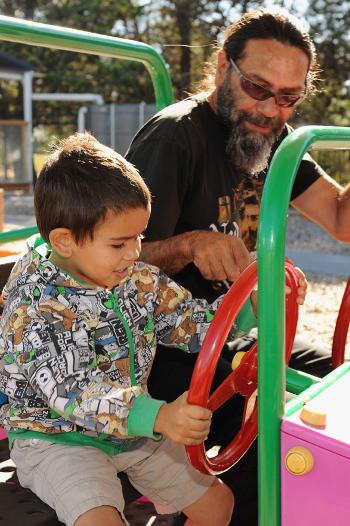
x: 122, y: 245
x: 118, y: 247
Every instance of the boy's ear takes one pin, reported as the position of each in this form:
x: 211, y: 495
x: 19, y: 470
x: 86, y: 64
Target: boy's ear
x: 62, y: 241
x: 221, y: 68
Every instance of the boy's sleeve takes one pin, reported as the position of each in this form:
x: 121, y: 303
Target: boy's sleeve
x: 246, y: 318
x: 142, y: 416
x: 182, y: 321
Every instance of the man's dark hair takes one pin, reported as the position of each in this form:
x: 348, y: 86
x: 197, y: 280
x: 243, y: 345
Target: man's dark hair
x: 270, y: 24
x: 263, y: 24
x: 80, y: 182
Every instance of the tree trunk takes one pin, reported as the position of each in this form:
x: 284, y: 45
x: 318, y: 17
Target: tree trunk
x: 184, y: 22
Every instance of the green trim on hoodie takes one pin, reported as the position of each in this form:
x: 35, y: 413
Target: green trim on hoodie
x: 75, y: 439
x: 142, y: 417
x: 128, y: 335
x: 246, y: 319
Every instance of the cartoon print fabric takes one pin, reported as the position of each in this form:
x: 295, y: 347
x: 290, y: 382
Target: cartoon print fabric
x: 75, y: 357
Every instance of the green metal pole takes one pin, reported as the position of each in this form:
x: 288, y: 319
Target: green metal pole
x: 297, y: 381
x: 271, y: 253
x: 45, y: 35
x: 17, y: 235
x: 298, y: 402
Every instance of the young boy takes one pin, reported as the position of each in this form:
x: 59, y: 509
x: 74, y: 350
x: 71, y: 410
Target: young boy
x: 79, y: 331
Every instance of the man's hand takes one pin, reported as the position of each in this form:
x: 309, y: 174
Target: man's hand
x: 302, y: 288
x: 218, y: 256
x: 301, y: 292
x: 254, y: 301
x: 182, y: 422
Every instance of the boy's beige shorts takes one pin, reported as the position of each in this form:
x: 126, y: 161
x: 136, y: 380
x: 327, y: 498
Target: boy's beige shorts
x: 74, y: 479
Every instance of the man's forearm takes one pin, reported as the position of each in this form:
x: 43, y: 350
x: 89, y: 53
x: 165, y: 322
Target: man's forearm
x: 327, y: 204
x: 343, y: 215
x: 171, y: 255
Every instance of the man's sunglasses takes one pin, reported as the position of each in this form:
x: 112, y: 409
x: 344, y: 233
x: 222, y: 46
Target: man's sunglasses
x: 257, y: 92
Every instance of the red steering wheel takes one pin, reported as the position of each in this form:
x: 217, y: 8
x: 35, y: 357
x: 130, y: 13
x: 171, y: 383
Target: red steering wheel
x: 341, y: 329
x: 243, y: 379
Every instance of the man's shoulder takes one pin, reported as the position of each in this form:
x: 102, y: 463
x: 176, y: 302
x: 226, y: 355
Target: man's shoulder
x: 168, y: 124
x: 184, y: 108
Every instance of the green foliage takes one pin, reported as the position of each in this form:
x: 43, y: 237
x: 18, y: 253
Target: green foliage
x: 336, y: 163
x: 66, y: 72
x: 329, y: 27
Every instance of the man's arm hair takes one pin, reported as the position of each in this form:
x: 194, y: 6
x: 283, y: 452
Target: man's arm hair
x: 171, y: 255
x: 217, y: 256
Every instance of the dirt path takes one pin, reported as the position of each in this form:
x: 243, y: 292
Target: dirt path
x: 318, y: 316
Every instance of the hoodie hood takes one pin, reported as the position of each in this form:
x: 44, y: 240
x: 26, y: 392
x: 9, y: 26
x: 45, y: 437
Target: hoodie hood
x: 34, y: 266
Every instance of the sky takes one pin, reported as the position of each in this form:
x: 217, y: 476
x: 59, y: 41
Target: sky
x: 300, y: 5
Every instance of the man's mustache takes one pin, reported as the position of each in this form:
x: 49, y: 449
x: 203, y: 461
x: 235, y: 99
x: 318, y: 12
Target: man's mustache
x: 274, y: 123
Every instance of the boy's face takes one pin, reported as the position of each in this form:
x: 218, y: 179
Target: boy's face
x: 116, y: 246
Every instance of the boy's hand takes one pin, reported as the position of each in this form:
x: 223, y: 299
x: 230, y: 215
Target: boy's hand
x: 254, y: 302
x: 182, y: 422
x: 302, y: 288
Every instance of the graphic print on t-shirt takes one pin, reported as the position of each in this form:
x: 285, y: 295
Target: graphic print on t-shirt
x: 238, y: 214
x: 247, y: 197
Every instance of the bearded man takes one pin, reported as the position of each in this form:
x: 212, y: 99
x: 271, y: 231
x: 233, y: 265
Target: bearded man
x: 205, y: 160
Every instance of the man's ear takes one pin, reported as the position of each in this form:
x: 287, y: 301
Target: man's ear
x: 221, y: 68
x: 62, y: 241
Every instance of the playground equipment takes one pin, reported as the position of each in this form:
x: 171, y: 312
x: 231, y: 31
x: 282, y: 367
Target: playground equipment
x: 243, y: 378
x: 16, y: 169
x: 271, y: 248
x: 271, y: 245
x: 315, y: 454
x: 341, y: 329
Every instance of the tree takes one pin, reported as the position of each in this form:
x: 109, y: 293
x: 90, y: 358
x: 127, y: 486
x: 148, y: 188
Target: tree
x: 67, y: 72
x: 187, y: 33
x: 329, y: 27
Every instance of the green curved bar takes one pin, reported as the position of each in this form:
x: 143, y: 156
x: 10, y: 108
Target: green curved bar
x: 271, y: 253
x: 45, y: 35
x: 17, y: 235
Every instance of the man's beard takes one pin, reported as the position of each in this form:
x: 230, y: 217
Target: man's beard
x: 248, y: 151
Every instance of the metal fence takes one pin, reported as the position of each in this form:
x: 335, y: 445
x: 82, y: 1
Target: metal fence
x: 14, y: 173
x: 115, y: 124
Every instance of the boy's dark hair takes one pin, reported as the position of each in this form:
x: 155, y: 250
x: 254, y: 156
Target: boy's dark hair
x: 270, y: 24
x: 80, y: 182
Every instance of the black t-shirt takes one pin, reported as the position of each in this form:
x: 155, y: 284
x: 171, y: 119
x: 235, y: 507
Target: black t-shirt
x: 181, y: 155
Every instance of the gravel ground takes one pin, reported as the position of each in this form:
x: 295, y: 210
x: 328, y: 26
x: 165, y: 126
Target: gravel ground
x: 317, y: 317
x: 305, y: 235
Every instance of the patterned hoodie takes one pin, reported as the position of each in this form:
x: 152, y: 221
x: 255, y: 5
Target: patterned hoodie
x: 75, y: 357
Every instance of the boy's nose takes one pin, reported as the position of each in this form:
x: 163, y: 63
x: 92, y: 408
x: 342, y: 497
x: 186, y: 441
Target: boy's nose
x: 133, y: 251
